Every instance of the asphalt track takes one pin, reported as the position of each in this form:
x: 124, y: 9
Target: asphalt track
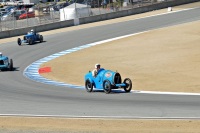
x: 21, y: 96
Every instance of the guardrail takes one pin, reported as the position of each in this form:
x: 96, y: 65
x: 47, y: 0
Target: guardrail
x: 90, y: 19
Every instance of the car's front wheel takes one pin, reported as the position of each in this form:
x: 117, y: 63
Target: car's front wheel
x: 128, y: 86
x: 19, y: 42
x: 88, y: 86
x: 10, y: 67
x: 41, y: 38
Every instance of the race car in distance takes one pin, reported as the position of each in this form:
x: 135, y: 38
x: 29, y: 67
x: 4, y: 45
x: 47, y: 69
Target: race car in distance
x: 5, y: 63
x: 106, y: 80
x: 30, y: 38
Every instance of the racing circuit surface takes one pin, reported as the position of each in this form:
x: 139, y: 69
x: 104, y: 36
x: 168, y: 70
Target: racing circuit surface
x: 21, y: 96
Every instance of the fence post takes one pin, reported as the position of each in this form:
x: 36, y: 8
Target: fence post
x: 26, y: 18
x: 53, y: 13
x: 0, y: 24
x: 99, y: 5
x: 76, y: 10
x: 39, y: 13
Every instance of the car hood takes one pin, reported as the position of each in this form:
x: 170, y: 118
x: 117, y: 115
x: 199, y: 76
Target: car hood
x: 28, y: 35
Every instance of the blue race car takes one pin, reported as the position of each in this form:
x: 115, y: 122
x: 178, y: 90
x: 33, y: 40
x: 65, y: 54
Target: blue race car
x: 30, y: 38
x: 106, y: 80
x: 5, y: 63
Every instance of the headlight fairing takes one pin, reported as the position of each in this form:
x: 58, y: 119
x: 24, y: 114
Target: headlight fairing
x: 117, y: 78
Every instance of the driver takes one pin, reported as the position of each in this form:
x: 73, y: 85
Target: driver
x: 95, y: 71
x: 32, y: 31
x: 1, y: 54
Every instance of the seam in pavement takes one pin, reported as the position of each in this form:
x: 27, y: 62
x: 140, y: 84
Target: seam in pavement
x: 99, y: 117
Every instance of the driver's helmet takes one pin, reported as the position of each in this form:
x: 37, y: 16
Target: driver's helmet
x: 32, y: 30
x: 0, y: 54
x: 97, y: 65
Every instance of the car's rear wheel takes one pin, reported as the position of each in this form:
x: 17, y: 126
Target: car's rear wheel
x: 41, y: 38
x: 19, y: 42
x: 88, y: 86
x: 30, y: 41
x: 128, y: 86
x: 107, y: 86
x: 10, y: 65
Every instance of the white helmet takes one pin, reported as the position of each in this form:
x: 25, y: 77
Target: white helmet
x: 0, y: 54
x: 96, y: 65
x: 32, y: 30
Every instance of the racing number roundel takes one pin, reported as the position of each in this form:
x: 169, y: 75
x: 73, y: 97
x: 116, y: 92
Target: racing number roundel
x: 108, y: 74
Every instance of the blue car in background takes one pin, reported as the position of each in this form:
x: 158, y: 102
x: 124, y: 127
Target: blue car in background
x: 9, y: 8
x: 30, y: 38
x: 5, y: 63
x: 106, y: 80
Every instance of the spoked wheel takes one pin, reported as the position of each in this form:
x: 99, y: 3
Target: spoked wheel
x: 128, y: 86
x: 107, y: 86
x: 11, y: 65
x: 19, y: 42
x: 88, y: 86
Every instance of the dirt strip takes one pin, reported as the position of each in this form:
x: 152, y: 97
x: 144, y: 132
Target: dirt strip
x: 64, y: 125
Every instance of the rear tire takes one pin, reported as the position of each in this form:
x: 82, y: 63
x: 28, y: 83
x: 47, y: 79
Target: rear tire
x: 30, y: 41
x: 107, y: 86
x: 88, y: 86
x: 19, y: 41
x: 128, y: 86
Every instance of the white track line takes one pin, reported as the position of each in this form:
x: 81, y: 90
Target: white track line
x: 98, y: 117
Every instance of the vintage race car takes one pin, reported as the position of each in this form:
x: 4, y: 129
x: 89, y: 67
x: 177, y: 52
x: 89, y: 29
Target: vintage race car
x: 30, y: 38
x: 106, y: 80
x: 5, y: 63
